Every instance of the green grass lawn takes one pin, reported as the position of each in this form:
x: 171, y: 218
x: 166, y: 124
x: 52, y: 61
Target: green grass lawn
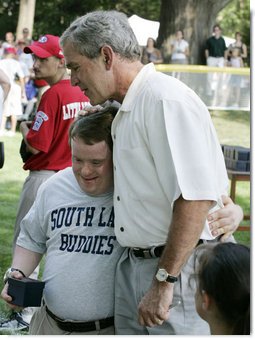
x: 233, y: 128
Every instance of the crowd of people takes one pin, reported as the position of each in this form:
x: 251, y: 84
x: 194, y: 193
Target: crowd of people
x: 118, y: 200
x: 217, y: 53
x: 25, y: 91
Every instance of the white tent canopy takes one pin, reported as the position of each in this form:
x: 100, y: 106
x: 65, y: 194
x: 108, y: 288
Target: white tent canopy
x: 143, y: 29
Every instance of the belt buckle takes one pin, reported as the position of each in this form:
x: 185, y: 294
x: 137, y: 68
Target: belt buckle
x: 147, y: 253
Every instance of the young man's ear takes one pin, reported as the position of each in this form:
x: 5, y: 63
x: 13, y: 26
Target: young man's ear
x: 62, y: 62
x: 206, y: 300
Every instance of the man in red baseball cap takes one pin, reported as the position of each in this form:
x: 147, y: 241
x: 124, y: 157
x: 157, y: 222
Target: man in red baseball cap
x: 45, y: 139
x: 46, y: 46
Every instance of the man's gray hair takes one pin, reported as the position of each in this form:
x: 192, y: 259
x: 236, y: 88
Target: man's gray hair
x: 89, y: 33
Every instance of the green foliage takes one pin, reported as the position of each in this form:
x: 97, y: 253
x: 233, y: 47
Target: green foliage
x: 54, y: 16
x: 9, y: 11
x: 235, y: 17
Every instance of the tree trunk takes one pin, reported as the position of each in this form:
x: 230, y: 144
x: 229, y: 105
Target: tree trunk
x: 195, y: 18
x: 26, y: 17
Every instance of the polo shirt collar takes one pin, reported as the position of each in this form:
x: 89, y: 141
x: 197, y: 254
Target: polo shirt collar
x: 136, y: 86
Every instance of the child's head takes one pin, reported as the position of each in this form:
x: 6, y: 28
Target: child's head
x: 223, y: 287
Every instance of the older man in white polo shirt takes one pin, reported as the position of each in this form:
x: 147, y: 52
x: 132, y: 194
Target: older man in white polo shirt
x: 169, y: 173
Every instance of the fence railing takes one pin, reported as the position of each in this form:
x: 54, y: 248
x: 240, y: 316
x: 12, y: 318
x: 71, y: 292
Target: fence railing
x: 220, y: 88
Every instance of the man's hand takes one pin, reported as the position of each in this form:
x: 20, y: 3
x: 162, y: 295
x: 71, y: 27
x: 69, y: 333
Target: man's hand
x: 89, y: 110
x: 225, y: 221
x: 154, y: 307
x: 4, y: 294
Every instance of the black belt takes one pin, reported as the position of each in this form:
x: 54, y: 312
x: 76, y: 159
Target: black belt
x: 89, y: 326
x: 149, y: 253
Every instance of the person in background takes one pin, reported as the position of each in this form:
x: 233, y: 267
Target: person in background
x: 151, y: 53
x: 216, y: 56
x: 26, y: 61
x: 242, y: 48
x: 9, y: 41
x: 235, y: 80
x: 179, y: 49
x: 12, y: 105
x: 26, y: 36
x: 5, y: 87
x: 72, y: 222
x: 215, y: 49
x: 23, y: 57
x: 163, y: 136
x: 223, y: 288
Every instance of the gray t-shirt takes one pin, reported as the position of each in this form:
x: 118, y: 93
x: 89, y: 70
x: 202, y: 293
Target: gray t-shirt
x: 76, y: 232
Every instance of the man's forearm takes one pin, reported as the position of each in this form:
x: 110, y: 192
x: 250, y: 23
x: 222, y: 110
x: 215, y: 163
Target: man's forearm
x: 24, y: 129
x: 25, y: 260
x: 185, y: 230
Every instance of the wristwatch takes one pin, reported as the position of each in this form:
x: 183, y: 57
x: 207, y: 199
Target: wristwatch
x: 9, y: 271
x: 163, y: 276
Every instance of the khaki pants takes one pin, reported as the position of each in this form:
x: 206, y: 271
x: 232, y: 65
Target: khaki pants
x: 133, y: 279
x: 43, y: 324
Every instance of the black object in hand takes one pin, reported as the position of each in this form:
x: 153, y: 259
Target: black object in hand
x: 23, y: 151
x: 25, y: 292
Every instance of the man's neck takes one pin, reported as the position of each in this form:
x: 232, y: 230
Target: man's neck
x: 220, y: 328
x: 57, y: 78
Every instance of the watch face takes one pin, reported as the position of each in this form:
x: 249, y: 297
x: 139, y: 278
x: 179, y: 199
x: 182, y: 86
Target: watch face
x: 7, y: 274
x: 161, y: 275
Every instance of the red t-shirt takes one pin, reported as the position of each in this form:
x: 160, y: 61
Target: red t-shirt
x: 58, y: 107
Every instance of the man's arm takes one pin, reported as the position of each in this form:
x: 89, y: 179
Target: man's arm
x: 24, y: 260
x: 185, y: 230
x: 5, y: 84
x: 24, y: 129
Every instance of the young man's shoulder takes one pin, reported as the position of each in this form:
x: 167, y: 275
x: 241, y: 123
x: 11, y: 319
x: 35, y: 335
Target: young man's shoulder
x: 64, y: 87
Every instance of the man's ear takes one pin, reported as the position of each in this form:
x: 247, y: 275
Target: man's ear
x: 62, y: 62
x: 206, y: 300
x: 107, y: 56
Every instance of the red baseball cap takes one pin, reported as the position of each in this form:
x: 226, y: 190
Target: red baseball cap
x: 9, y: 50
x: 47, y: 46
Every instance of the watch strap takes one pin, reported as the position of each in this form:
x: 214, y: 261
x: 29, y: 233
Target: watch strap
x: 10, y: 270
x: 171, y: 278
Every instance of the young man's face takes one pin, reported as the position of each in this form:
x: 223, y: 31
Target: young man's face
x: 89, y: 74
x: 45, y: 68
x: 92, y: 166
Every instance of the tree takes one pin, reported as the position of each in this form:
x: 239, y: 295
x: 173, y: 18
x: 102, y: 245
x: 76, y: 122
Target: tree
x: 26, y: 16
x: 195, y: 17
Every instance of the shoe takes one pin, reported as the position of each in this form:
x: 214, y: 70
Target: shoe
x: 15, y: 323
x: 27, y: 314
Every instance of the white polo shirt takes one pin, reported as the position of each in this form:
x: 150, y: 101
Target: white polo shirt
x: 165, y: 145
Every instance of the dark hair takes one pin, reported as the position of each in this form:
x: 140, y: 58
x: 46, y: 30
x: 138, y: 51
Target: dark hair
x: 224, y: 273
x: 154, y: 41
x: 94, y: 127
x: 216, y: 25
